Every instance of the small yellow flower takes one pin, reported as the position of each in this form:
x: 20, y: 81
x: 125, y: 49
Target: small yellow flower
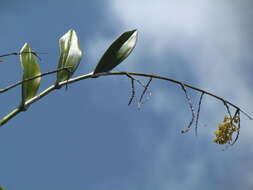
x: 225, y: 130
x: 226, y: 118
x: 217, y: 132
x: 236, y: 119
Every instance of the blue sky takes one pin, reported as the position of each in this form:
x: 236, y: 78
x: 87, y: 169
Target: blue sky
x: 87, y: 137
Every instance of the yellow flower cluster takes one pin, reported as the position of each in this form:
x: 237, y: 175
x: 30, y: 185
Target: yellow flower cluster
x: 226, y: 129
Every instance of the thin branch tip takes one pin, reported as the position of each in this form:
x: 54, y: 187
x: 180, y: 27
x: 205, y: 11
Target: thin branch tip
x: 133, y: 92
x: 190, y: 106
x: 144, y: 91
x: 198, y: 113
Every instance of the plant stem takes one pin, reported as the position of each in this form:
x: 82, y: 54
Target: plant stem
x: 90, y: 75
x: 10, y: 115
x: 38, y: 76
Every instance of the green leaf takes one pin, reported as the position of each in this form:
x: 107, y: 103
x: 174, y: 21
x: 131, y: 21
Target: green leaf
x: 30, y: 69
x: 1, y: 61
x: 117, y: 52
x: 70, y: 55
x: 1, y: 188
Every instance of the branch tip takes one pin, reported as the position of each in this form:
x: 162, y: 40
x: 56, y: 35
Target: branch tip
x: 198, y: 113
x: 191, y: 108
x: 144, y: 92
x: 132, y: 93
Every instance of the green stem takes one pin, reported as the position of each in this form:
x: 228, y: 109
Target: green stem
x: 10, y: 115
x: 27, y: 103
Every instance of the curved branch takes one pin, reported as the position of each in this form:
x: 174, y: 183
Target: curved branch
x: 38, y: 76
x: 19, y: 53
x: 91, y: 75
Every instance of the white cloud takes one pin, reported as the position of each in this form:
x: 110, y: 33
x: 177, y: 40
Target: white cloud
x: 210, y: 37
x: 206, y: 33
